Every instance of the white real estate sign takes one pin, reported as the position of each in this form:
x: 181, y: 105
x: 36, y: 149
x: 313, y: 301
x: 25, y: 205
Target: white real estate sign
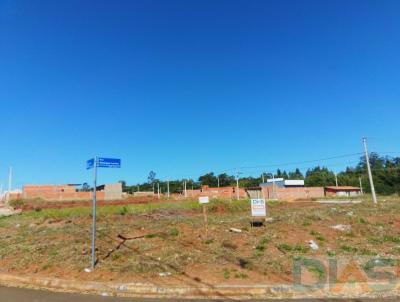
x: 204, y: 200
x: 258, y: 208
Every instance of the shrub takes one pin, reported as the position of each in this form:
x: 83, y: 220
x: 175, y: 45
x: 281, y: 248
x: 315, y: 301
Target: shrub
x: 174, y: 232
x: 124, y: 211
x: 18, y: 203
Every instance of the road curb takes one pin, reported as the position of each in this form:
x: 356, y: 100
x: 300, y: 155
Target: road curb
x: 149, y: 290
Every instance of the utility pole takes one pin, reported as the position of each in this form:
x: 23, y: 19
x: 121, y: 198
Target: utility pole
x: 94, y: 214
x: 237, y: 185
x: 371, y: 181
x: 336, y: 180
x: 273, y: 186
x: 168, y: 188
x: 185, y: 188
x: 262, y: 177
x: 158, y: 190
x: 218, y: 180
x: 361, y: 188
x: 9, y: 185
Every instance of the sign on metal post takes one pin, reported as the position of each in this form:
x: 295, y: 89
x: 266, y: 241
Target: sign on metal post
x: 204, y: 200
x: 258, y: 208
x: 103, y: 162
x: 109, y: 162
x: 90, y: 164
x: 98, y: 162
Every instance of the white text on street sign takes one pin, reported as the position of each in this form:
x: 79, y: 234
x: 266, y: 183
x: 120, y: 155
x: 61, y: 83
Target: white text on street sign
x: 103, y: 162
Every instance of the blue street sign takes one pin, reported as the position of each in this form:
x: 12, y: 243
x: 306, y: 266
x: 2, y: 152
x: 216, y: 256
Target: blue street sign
x: 103, y: 162
x: 90, y: 164
x: 100, y: 162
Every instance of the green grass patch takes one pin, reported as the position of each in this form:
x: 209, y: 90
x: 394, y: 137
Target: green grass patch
x: 286, y: 248
x: 391, y: 239
x: 262, y: 244
x: 348, y: 249
x: 317, y: 236
x: 173, y: 232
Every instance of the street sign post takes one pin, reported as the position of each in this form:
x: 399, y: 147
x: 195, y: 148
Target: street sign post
x: 258, y: 209
x: 109, y: 162
x: 204, y: 200
x: 94, y: 163
x: 89, y: 164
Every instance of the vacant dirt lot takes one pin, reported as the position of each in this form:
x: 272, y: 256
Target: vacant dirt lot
x: 166, y: 242
x: 40, y: 204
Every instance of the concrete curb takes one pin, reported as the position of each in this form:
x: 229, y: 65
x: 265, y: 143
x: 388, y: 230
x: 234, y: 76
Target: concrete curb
x: 149, y: 290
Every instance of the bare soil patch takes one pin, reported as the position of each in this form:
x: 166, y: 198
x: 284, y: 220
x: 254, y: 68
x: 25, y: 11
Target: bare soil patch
x: 166, y: 243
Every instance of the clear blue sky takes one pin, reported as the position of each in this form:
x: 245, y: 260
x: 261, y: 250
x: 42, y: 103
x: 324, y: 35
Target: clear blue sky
x: 186, y: 87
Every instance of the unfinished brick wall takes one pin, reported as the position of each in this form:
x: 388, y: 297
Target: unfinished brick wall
x: 193, y: 193
x: 49, y: 192
x: 223, y: 192
x: 64, y: 193
x: 13, y: 196
x: 291, y: 194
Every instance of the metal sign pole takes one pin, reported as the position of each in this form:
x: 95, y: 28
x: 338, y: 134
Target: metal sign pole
x: 98, y: 162
x: 94, y: 213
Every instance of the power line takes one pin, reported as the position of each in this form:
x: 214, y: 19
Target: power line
x: 308, y: 161
x: 296, y: 163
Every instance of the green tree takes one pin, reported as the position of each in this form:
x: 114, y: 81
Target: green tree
x: 226, y: 180
x: 124, y: 187
x: 151, y: 177
x: 85, y: 187
x: 209, y: 179
x: 319, y: 177
x: 296, y: 174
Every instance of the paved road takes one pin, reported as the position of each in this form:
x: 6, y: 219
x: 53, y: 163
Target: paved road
x: 25, y: 295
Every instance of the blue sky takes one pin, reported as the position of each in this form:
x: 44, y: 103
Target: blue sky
x: 186, y: 87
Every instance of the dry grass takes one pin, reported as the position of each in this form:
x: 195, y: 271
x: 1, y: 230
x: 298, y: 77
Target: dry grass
x: 171, y: 238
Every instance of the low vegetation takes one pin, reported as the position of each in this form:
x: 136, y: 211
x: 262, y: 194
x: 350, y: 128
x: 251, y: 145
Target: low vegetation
x: 138, y: 242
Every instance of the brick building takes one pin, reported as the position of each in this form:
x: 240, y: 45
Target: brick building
x: 342, y: 191
x: 70, y: 192
x: 223, y: 192
x: 292, y: 193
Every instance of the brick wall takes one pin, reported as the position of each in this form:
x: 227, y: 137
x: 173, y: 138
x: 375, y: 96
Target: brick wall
x: 14, y: 196
x: 223, y: 192
x: 192, y: 193
x: 65, y: 192
x: 292, y: 194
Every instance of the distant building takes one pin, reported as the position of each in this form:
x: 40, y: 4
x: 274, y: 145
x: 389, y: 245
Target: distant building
x: 143, y: 194
x: 10, y: 195
x: 342, y: 191
x: 223, y: 192
x: 70, y: 192
x: 283, y: 183
x: 289, y: 189
x: 254, y: 192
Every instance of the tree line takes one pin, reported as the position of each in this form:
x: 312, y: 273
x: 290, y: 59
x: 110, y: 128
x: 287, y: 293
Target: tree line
x: 385, y: 170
